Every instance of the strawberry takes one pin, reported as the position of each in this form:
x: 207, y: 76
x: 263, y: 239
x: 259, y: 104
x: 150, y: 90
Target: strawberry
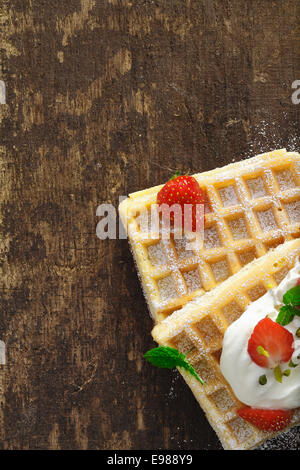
x: 266, y: 420
x: 180, y: 191
x: 270, y: 344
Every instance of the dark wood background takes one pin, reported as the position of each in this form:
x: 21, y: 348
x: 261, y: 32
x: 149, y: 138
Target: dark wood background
x: 106, y: 98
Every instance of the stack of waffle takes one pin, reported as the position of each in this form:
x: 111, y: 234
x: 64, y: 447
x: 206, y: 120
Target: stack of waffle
x: 252, y: 220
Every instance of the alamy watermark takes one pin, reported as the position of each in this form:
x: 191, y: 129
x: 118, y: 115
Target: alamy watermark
x: 2, y: 92
x: 296, y: 94
x: 159, y: 221
x: 2, y: 353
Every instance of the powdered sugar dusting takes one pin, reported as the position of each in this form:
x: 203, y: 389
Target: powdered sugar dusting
x: 192, y: 280
x: 285, y: 179
x: 266, y: 134
x: 228, y: 196
x: 267, y: 220
x: 293, y: 210
x: 289, y: 440
x: 256, y: 187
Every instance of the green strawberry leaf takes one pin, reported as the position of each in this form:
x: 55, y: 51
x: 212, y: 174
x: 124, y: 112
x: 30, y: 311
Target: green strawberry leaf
x: 169, y: 358
x: 178, y: 173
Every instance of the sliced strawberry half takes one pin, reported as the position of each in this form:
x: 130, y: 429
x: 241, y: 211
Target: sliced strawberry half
x: 180, y: 192
x: 266, y: 420
x: 270, y: 344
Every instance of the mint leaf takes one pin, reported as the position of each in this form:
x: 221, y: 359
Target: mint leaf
x: 286, y: 314
x: 168, y: 358
x: 291, y: 299
x: 187, y: 366
x: 164, y: 357
x: 292, y: 296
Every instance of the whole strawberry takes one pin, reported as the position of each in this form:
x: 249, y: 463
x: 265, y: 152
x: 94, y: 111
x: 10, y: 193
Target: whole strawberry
x: 187, y: 200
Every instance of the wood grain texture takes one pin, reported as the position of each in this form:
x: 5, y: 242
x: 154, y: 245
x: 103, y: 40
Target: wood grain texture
x: 105, y: 98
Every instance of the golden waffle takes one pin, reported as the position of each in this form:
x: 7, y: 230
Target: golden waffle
x: 198, y: 330
x: 253, y: 205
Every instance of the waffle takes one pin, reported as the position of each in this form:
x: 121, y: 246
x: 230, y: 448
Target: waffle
x: 252, y: 206
x: 198, y: 330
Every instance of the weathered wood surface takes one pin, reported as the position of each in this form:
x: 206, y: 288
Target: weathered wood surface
x: 105, y: 98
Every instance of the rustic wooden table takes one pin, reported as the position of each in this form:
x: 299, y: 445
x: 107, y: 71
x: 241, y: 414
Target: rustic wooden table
x: 105, y: 98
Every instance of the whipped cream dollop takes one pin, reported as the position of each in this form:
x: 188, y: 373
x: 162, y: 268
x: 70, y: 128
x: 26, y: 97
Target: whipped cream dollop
x: 237, y: 366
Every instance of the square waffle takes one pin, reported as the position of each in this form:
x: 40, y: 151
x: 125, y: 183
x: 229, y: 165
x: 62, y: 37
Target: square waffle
x: 198, y: 329
x: 252, y: 206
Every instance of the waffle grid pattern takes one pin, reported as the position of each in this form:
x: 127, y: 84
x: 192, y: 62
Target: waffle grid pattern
x: 249, y: 211
x: 198, y: 333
